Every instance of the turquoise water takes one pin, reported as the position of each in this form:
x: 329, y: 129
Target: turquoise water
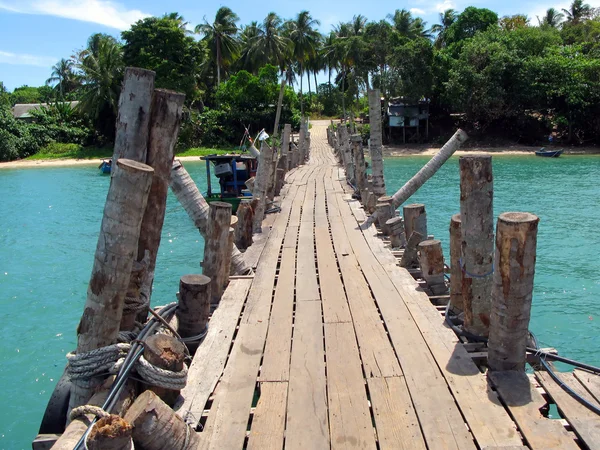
x: 50, y: 218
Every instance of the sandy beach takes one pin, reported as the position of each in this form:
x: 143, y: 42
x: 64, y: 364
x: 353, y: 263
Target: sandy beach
x: 25, y: 163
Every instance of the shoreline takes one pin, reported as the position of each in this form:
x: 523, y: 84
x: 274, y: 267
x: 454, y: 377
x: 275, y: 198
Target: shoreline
x: 67, y: 162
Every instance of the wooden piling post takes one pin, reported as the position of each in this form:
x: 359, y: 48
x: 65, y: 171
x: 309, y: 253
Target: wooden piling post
x: 110, y: 433
x: 156, y: 426
x: 360, y: 175
x: 512, y: 291
x: 456, y: 298
x: 409, y: 258
x: 243, y: 230
x: 415, y: 219
x: 395, y: 226
x: 261, y: 185
x: 135, y: 102
x: 165, y: 352
x: 134, y: 290
x: 431, y: 261
x: 250, y: 182
x: 285, y: 146
x: 384, y: 212
x: 279, y: 181
x: 194, y: 307
x: 115, y: 252
x: 375, y: 148
x: 477, y: 246
x: 215, y: 247
x: 196, y: 206
x: 302, y: 143
x: 165, y: 119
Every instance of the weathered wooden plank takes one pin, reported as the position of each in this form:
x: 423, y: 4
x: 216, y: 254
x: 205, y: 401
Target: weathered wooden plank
x: 524, y: 403
x: 395, y: 419
x: 349, y: 417
x: 268, y: 424
x: 209, y: 360
x: 253, y: 253
x: 306, y: 423
x: 306, y: 271
x: 585, y: 423
x: 590, y: 381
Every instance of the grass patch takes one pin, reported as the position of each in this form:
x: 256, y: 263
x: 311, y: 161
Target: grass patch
x: 57, y: 150
x: 201, y: 151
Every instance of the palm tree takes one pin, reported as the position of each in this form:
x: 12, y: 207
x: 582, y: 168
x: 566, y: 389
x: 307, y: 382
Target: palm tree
x: 553, y: 18
x: 578, y: 11
x: 248, y: 37
x: 447, y: 18
x: 64, y: 77
x: 221, y: 37
x: 304, y: 38
x: 101, y: 66
x: 402, y: 21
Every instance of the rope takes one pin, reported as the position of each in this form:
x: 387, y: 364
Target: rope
x: 197, y: 337
x: 88, y: 409
x: 87, y: 365
x: 473, y: 275
x: 161, y: 377
x: 135, y: 304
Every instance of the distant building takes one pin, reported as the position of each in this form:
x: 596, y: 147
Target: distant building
x: 412, y: 118
x: 23, y: 110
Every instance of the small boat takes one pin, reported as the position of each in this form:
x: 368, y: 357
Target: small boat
x: 106, y: 166
x: 549, y: 153
x: 232, y: 171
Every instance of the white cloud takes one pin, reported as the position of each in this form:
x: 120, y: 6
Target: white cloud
x: 104, y: 12
x: 443, y: 6
x: 23, y: 59
x: 417, y: 11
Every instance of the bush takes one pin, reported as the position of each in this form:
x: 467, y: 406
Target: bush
x: 8, y: 146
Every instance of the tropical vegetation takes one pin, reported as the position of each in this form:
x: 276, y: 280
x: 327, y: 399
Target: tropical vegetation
x: 521, y: 78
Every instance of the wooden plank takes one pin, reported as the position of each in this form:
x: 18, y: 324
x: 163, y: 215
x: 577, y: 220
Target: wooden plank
x: 306, y: 423
x: 590, y: 381
x: 395, y: 419
x: 209, y: 360
x: 306, y: 271
x: 585, y: 423
x: 349, y: 416
x: 268, y: 424
x: 524, y: 403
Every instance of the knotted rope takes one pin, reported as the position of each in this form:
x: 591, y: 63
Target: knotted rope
x: 83, y: 367
x: 87, y: 409
x: 164, y: 378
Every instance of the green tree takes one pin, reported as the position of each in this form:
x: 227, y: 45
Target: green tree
x: 447, y: 18
x: 510, y: 23
x: 64, y: 77
x: 578, y: 12
x: 412, y: 74
x: 471, y: 21
x: 101, y: 66
x: 30, y: 94
x: 221, y: 38
x: 162, y: 45
x: 552, y: 19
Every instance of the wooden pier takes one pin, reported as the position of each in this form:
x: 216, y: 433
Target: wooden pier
x: 332, y: 345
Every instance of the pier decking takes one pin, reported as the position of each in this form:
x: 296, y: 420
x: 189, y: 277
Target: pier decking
x: 332, y: 345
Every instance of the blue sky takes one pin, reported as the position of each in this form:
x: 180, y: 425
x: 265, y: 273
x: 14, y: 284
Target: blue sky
x: 35, y: 34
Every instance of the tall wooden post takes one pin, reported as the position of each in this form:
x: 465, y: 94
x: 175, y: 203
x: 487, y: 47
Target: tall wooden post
x: 135, y: 102
x: 415, y: 219
x: 157, y: 427
x: 167, y: 107
x: 243, y: 233
x: 194, y: 307
x: 360, y: 174
x: 516, y: 241
x: 477, y: 247
x: 302, y: 143
x: 431, y: 261
x: 261, y: 185
x: 215, y: 248
x: 375, y: 148
x: 115, y: 252
x: 196, y: 206
x: 456, y: 298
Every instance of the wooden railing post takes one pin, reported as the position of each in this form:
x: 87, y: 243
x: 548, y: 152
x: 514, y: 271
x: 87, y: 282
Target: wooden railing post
x: 477, y: 247
x: 261, y: 185
x: 395, y: 226
x: 360, y: 174
x: 301, y: 143
x: 215, y: 247
x: 431, y: 261
x: 243, y: 230
x: 115, y: 252
x: 194, y: 307
x: 456, y: 298
x: 384, y: 212
x: 512, y: 291
x: 375, y: 148
x: 415, y: 219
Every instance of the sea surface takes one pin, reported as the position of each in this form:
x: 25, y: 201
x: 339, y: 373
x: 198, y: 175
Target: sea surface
x: 50, y: 218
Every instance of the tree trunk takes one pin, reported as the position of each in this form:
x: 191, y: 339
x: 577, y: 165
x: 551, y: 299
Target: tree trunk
x: 115, y: 252
x: 135, y: 102
x: 375, y: 148
x: 429, y: 169
x: 261, y: 185
x: 195, y: 205
x: 243, y: 232
x: 456, y: 298
x: 415, y: 219
x: 285, y: 146
x: 279, y: 106
x: 215, y: 248
x: 431, y: 261
x: 360, y: 174
x: 167, y: 107
x: 219, y: 62
x: 344, y: 95
x: 477, y: 245
x: 308, y: 79
x: 316, y: 88
x: 157, y: 427
x: 110, y: 433
x: 194, y: 308
x: 301, y: 94
x: 516, y: 241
